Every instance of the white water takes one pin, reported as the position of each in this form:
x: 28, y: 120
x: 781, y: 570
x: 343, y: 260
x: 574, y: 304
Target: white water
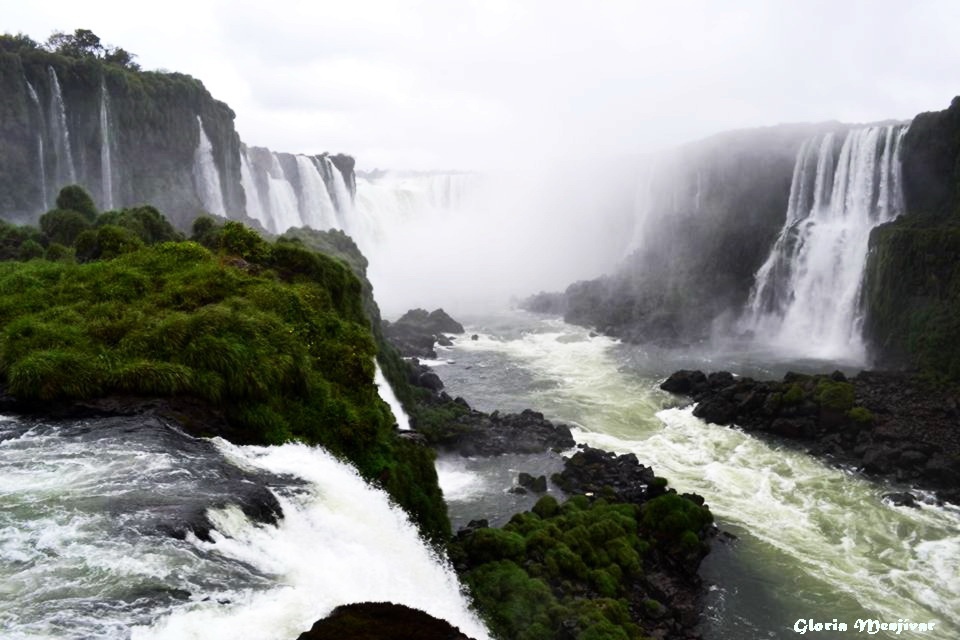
x: 106, y: 163
x: 41, y: 168
x: 206, y: 176
x: 252, y: 193
x: 316, y: 207
x: 283, y: 204
x: 807, y: 293
x: 81, y: 555
x: 821, y: 539
x: 60, y: 133
x: 388, y: 396
x: 340, y: 542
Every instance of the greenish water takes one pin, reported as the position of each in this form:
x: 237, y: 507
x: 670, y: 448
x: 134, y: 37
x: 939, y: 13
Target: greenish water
x: 814, y: 541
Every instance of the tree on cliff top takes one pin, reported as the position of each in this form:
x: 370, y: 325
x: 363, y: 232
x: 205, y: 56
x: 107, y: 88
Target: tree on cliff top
x: 84, y: 43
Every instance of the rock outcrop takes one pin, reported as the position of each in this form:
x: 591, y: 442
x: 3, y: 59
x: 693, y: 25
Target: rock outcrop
x: 892, y: 425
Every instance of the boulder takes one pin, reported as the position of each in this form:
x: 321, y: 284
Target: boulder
x: 381, y: 621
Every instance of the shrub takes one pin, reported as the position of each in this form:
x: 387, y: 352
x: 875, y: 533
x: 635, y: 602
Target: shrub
x: 836, y: 396
x: 74, y: 198
x: 861, y: 415
x: 63, y: 226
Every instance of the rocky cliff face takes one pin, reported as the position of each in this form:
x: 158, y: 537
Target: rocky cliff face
x: 131, y: 137
x: 706, y: 217
x: 912, y: 280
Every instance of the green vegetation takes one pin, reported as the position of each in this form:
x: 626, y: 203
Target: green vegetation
x: 835, y: 396
x: 574, y: 566
x: 861, y: 415
x: 273, y: 334
x: 913, y: 296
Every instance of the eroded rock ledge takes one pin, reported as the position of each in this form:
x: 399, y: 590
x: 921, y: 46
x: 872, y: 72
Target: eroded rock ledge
x: 891, y: 425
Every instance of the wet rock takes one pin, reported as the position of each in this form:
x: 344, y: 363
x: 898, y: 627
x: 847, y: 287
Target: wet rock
x: 416, y: 332
x: 903, y: 499
x: 381, y: 621
x: 536, y: 484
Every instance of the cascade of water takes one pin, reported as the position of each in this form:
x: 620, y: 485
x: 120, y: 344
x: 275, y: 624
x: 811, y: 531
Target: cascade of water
x: 254, y: 204
x: 85, y: 550
x: 41, y: 166
x: 283, y: 203
x: 65, y: 172
x: 106, y: 162
x: 316, y: 207
x: 341, y: 193
x: 807, y: 293
x: 206, y: 176
x: 388, y: 396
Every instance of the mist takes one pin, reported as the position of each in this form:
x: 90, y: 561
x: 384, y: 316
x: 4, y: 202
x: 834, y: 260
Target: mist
x: 506, y: 235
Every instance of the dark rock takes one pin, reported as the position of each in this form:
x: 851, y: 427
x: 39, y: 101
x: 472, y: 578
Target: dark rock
x: 474, y: 337
x: 444, y: 341
x: 716, y: 410
x: 536, y: 484
x: 898, y: 426
x: 520, y: 491
x: 684, y: 382
x: 479, y: 434
x: 415, y: 333
x: 903, y: 499
x: 381, y: 621
x: 430, y: 380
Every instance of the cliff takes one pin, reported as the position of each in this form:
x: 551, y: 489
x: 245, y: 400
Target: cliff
x: 706, y: 217
x: 912, y: 278
x: 131, y: 137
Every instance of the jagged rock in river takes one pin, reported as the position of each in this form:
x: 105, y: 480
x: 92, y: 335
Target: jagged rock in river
x: 416, y: 332
x: 895, y: 425
x: 381, y: 621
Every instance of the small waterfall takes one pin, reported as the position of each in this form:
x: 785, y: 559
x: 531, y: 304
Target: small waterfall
x: 254, y: 204
x: 388, y: 396
x: 283, y: 202
x: 41, y: 165
x: 106, y: 142
x: 65, y: 172
x: 341, y: 193
x: 316, y: 207
x: 807, y: 293
x: 206, y: 176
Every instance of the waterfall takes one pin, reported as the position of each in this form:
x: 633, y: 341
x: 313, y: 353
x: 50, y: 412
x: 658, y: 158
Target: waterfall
x: 317, y: 210
x: 283, y: 202
x: 254, y: 204
x: 106, y: 163
x: 65, y: 172
x: 388, y: 396
x: 88, y: 508
x: 206, y: 176
x: 41, y: 167
x: 807, y: 292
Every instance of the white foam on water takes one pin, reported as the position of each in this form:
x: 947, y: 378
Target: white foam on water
x: 340, y: 542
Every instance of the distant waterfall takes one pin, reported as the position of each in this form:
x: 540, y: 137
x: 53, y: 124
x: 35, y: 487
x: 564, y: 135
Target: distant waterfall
x: 106, y: 162
x: 252, y: 192
x: 807, y: 293
x: 60, y: 133
x: 284, y: 207
x: 317, y: 209
x: 206, y: 175
x: 41, y: 164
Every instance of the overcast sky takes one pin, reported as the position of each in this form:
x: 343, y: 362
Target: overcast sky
x: 473, y: 85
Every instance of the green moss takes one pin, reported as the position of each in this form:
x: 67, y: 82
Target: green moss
x: 793, y: 395
x: 861, y: 415
x: 577, y: 561
x: 279, y: 341
x: 835, y: 396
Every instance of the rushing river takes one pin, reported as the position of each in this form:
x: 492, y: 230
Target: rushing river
x: 86, y: 509
x: 814, y: 541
